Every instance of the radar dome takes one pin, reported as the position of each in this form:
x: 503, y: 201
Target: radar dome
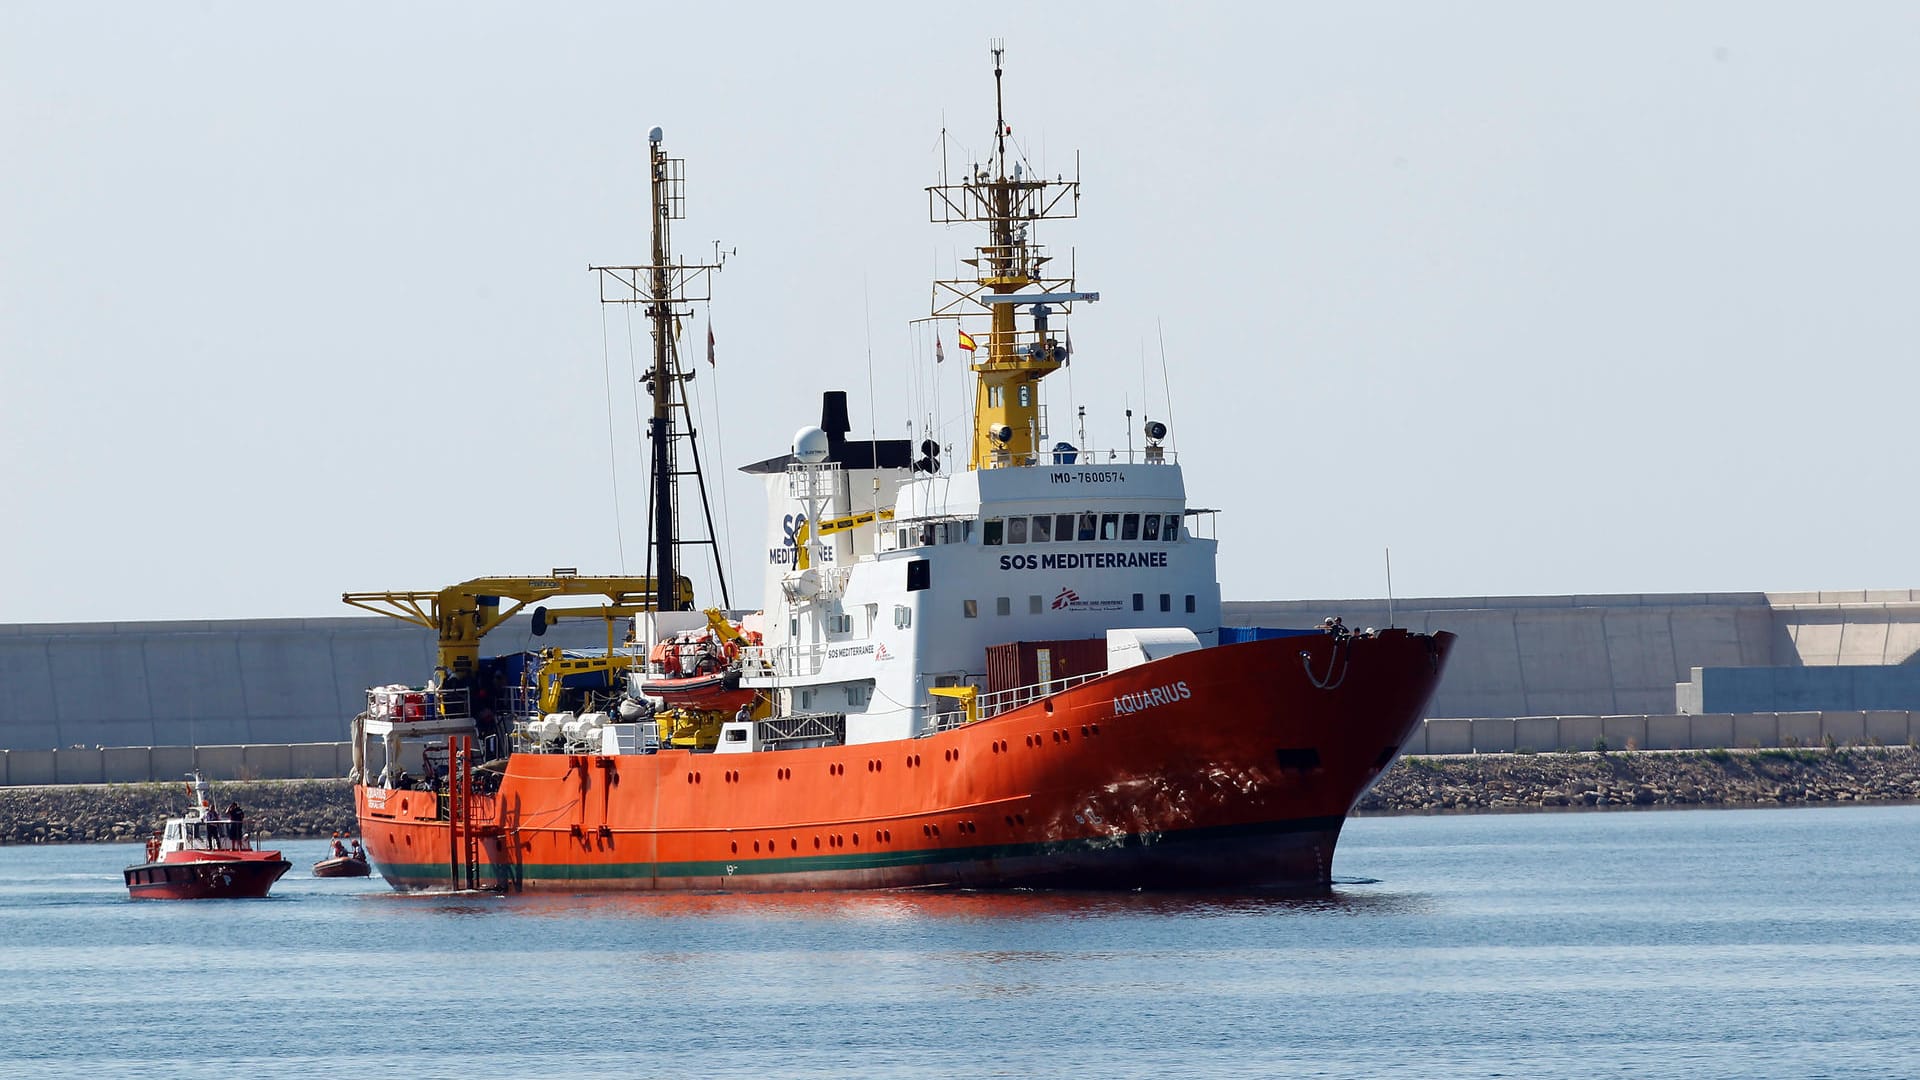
x: 810, y: 445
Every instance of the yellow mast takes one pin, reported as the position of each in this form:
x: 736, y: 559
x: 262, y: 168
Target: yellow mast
x: 1006, y: 197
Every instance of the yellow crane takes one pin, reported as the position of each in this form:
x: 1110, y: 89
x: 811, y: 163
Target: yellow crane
x: 460, y: 615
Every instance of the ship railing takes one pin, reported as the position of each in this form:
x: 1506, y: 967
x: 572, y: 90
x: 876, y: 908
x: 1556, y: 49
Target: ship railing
x: 787, y: 660
x: 986, y: 706
x: 523, y: 701
x: 1066, y: 454
x: 828, y: 582
x: 815, y: 729
x: 818, y: 481
x: 403, y: 703
x: 631, y: 737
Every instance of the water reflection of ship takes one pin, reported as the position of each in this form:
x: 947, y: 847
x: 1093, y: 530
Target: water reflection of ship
x: 922, y: 906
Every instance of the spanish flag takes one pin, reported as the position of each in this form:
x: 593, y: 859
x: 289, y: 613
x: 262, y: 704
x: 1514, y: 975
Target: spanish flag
x: 966, y: 341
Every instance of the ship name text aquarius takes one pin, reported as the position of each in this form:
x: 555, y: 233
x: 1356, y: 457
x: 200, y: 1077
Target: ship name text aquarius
x: 1141, y: 700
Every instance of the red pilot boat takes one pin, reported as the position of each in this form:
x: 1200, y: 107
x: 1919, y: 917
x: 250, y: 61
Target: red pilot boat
x: 203, y: 855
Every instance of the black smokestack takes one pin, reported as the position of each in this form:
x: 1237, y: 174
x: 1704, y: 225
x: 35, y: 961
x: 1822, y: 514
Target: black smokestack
x: 833, y: 421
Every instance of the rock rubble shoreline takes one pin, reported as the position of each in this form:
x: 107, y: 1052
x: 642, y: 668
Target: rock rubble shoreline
x: 1483, y: 783
x: 110, y: 813
x: 1729, y: 778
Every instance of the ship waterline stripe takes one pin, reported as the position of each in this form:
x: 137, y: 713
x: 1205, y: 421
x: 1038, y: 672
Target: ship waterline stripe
x: 436, y: 873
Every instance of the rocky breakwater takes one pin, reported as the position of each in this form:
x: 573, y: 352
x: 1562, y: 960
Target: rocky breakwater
x: 107, y: 813
x: 1644, y: 778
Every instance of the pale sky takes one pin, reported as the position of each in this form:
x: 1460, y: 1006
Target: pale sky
x: 294, y: 300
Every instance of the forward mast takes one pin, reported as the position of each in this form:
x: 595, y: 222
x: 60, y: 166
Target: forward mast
x: 1006, y: 196
x: 665, y: 288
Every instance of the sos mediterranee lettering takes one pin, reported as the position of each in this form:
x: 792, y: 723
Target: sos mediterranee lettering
x: 1091, y: 560
x: 789, y: 529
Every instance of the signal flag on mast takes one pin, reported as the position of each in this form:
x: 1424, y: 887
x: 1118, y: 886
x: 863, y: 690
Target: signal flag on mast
x: 966, y: 341
x: 939, y: 350
x: 710, y: 343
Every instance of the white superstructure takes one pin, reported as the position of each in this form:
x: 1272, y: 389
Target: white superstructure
x: 886, y: 610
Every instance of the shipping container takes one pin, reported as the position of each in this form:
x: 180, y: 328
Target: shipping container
x: 1234, y: 635
x: 1015, y: 664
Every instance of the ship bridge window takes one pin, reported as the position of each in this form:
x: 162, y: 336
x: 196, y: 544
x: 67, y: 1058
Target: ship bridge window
x: 1130, y: 527
x: 970, y: 608
x: 1089, y: 526
x: 1171, y: 530
x: 1150, y: 528
x: 1034, y: 604
x: 1017, y: 530
x: 1189, y: 603
x: 994, y: 532
x: 1109, y: 526
x: 859, y: 693
x: 840, y: 624
x: 1063, y: 527
x: 1042, y: 529
x: 1003, y: 605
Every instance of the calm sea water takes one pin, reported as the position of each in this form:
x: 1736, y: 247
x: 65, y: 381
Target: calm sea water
x: 1684, y: 943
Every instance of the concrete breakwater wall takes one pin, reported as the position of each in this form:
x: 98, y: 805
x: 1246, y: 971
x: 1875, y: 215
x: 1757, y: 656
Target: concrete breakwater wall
x: 1706, y: 731
x: 1729, y: 778
x: 144, y: 764
x: 95, y: 813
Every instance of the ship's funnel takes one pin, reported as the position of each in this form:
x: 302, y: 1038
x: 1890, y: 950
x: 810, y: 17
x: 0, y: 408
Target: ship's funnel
x: 833, y: 420
x: 833, y: 413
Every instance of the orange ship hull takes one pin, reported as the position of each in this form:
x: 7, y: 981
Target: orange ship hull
x: 1227, y: 767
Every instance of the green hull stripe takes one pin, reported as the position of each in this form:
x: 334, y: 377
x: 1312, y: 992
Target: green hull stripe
x: 436, y: 873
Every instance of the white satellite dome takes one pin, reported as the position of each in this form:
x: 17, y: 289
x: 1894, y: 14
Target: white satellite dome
x: 810, y: 445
